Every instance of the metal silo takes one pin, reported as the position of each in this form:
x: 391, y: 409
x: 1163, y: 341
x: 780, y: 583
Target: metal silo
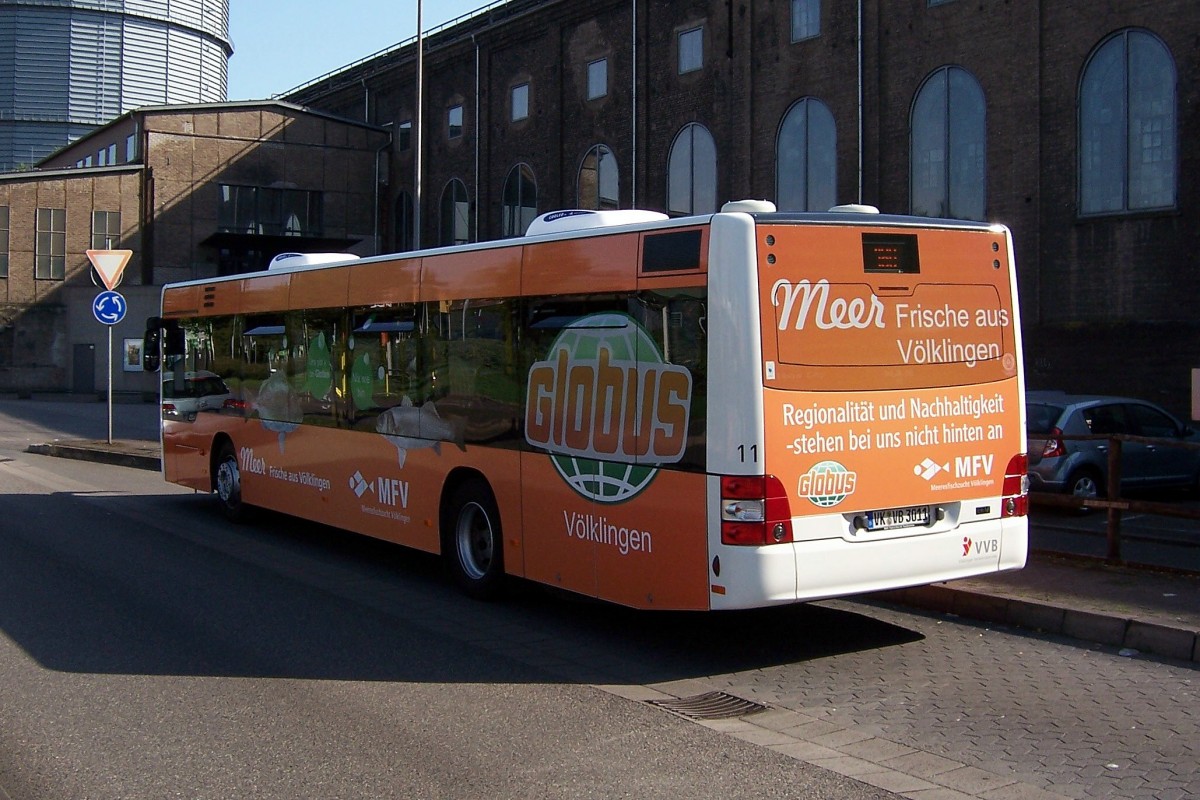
x: 70, y: 66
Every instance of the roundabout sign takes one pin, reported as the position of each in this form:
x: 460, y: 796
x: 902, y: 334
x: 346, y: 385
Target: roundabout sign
x: 109, y: 307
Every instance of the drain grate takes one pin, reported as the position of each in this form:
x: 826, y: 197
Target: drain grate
x: 710, y: 705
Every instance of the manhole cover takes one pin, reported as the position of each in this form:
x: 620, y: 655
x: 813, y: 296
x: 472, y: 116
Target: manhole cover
x: 710, y: 705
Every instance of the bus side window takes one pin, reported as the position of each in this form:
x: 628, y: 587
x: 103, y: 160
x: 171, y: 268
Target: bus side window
x: 316, y: 356
x: 676, y: 321
x: 476, y: 376
x: 266, y: 370
x: 384, y: 363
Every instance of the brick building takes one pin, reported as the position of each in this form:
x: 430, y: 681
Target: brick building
x: 1075, y: 123
x: 194, y: 191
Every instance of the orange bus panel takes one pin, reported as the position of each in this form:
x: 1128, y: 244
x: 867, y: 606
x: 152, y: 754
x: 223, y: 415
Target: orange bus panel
x: 580, y: 266
x: 265, y: 292
x: 382, y: 282
x: 494, y: 272
x: 319, y: 289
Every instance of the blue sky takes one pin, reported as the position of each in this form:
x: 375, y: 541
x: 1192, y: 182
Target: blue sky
x: 280, y: 44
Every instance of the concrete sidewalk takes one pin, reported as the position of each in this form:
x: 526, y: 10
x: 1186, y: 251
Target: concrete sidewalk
x: 1135, y: 609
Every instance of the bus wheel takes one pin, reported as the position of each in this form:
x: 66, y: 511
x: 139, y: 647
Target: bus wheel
x: 229, y: 484
x: 474, y: 545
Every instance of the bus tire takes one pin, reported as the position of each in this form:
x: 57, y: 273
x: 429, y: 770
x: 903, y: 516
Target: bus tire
x: 227, y: 483
x: 474, y: 544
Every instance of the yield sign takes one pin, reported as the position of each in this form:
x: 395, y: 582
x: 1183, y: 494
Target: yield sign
x: 110, y: 264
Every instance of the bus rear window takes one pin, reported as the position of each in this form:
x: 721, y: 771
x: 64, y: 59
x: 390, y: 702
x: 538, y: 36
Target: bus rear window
x: 846, y: 308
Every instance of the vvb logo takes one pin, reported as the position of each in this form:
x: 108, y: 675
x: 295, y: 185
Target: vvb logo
x: 607, y: 407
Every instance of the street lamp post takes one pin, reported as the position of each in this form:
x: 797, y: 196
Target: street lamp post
x: 417, y: 134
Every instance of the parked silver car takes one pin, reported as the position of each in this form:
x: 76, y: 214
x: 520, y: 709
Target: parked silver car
x: 198, y: 391
x: 1058, y: 463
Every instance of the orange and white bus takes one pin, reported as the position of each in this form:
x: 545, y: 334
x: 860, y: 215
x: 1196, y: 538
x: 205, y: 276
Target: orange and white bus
x: 727, y: 411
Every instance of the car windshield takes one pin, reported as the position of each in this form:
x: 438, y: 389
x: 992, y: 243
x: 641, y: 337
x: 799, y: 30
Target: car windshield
x: 1041, y: 417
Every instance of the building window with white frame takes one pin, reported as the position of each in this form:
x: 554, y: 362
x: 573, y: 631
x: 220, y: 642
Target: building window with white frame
x: 806, y: 158
x: 948, y: 140
x: 405, y: 220
x: 691, y: 50
x: 106, y: 230
x: 50, y: 246
x: 597, y: 79
x: 806, y: 19
x: 455, y: 223
x: 520, y: 102
x: 692, y: 172
x: 454, y: 121
x: 598, y: 184
x: 1128, y: 126
x: 520, y: 201
x: 3, y: 241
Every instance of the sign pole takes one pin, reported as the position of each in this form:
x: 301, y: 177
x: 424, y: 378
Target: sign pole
x: 110, y: 384
x: 109, y: 307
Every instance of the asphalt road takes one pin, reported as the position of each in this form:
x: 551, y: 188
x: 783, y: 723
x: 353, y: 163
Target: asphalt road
x: 149, y: 649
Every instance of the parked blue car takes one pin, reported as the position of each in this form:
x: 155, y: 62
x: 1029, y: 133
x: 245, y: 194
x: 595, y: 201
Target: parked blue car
x: 1058, y: 463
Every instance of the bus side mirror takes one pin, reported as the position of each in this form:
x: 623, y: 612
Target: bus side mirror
x: 151, y: 339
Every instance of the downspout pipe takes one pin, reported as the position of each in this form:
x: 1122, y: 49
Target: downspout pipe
x: 634, y: 116
x: 475, y: 235
x: 378, y: 159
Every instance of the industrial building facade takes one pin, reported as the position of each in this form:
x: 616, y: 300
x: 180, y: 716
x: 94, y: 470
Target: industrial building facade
x: 70, y: 66
x: 1074, y: 123
x: 196, y: 191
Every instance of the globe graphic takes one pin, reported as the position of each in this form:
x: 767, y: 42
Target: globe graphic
x: 605, y: 481
x: 825, y: 467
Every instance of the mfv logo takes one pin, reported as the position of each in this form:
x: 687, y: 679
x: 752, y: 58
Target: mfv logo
x: 386, y: 491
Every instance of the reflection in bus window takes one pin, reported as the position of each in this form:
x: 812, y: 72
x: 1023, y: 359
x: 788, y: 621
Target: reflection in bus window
x: 473, y: 356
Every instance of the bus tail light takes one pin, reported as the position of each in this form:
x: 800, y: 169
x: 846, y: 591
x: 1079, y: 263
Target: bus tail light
x: 1016, y: 487
x: 754, y: 510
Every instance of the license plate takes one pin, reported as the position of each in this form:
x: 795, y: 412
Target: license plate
x: 888, y: 518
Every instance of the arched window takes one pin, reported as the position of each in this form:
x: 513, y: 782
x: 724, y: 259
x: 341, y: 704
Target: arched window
x: 455, y: 224
x: 404, y: 222
x: 599, y: 182
x: 948, y: 160
x: 806, y: 158
x: 692, y: 172
x: 1127, y: 126
x: 520, y: 201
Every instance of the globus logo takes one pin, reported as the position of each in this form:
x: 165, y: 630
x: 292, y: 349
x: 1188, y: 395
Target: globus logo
x: 827, y: 483
x: 607, y: 407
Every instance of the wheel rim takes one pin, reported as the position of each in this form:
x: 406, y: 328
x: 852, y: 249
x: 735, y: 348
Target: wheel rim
x: 229, y: 482
x: 1086, y: 487
x: 475, y: 540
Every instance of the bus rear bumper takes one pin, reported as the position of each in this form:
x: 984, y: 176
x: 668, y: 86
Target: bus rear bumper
x: 751, y: 577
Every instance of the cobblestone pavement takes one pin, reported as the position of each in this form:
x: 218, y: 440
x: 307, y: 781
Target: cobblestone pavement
x: 981, y: 712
